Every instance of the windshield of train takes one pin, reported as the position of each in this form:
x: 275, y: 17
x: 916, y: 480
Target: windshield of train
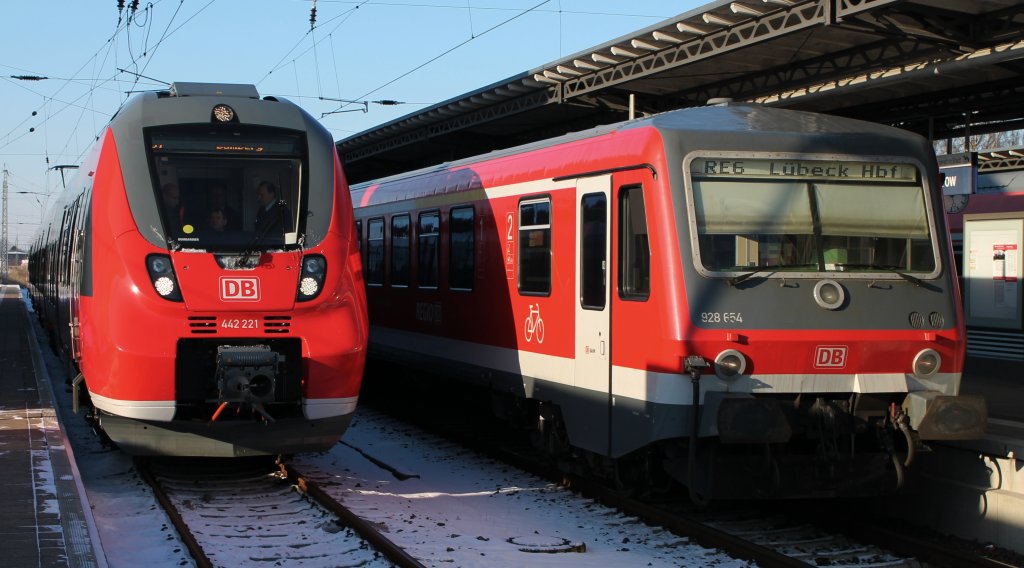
x: 222, y: 188
x: 786, y: 215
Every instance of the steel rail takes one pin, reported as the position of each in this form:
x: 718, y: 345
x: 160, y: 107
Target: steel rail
x: 364, y: 529
x: 142, y: 465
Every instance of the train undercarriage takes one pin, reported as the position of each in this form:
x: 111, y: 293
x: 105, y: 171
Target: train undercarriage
x: 855, y: 445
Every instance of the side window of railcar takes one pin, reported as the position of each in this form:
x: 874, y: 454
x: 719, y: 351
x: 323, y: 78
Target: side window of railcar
x: 375, y: 252
x: 634, y: 246
x: 593, y: 238
x: 65, y: 246
x: 400, y: 250
x: 460, y: 261
x: 426, y: 250
x: 359, y: 235
x: 535, y: 246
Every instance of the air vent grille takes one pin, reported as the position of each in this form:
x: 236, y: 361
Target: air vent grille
x: 202, y: 324
x: 209, y: 325
x: 277, y: 324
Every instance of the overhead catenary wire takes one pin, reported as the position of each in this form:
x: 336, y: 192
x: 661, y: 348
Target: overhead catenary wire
x: 281, y: 63
x: 96, y: 81
x: 378, y: 3
x: 142, y: 54
x: 450, y: 50
x: 107, y: 44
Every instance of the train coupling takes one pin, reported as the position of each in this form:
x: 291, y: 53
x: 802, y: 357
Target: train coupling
x: 247, y: 373
x: 739, y: 418
x: 936, y: 416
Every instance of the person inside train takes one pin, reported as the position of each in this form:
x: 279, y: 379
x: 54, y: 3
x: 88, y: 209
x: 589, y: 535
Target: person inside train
x: 272, y: 216
x: 218, y: 201
x: 172, y: 209
x: 217, y: 221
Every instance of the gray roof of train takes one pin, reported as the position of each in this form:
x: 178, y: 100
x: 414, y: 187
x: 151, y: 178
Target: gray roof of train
x: 779, y: 130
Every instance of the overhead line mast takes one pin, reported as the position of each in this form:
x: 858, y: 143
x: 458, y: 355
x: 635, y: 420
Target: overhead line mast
x: 3, y: 236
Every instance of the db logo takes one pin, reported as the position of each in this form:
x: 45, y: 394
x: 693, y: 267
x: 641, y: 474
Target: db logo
x: 830, y: 357
x: 239, y: 289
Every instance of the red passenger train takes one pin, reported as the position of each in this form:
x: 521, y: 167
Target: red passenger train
x: 202, y: 275
x: 757, y: 302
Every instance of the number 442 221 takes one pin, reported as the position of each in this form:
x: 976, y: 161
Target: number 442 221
x: 240, y: 323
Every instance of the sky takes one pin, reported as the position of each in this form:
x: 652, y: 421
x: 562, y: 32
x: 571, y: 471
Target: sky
x: 66, y: 66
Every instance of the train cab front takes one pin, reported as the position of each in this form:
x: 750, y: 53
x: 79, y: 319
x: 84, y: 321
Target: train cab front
x: 830, y: 326
x: 268, y: 354
x: 258, y: 313
x: 790, y: 430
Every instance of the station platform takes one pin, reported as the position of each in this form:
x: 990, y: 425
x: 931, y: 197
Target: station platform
x: 44, y: 522
x: 1002, y: 385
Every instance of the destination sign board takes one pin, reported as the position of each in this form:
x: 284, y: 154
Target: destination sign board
x: 803, y: 169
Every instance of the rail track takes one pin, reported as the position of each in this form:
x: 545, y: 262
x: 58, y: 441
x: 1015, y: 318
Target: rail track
x: 260, y: 511
x: 794, y: 534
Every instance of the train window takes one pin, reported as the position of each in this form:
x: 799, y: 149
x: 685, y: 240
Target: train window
x: 460, y: 259
x: 359, y: 235
x: 858, y: 234
x: 400, y: 250
x: 375, y: 252
x: 535, y: 246
x: 634, y: 246
x: 593, y: 240
x: 220, y: 189
x: 426, y: 249
x: 811, y: 216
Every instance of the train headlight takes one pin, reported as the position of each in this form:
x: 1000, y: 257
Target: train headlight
x: 829, y: 294
x: 159, y: 264
x: 313, y: 264
x: 927, y: 363
x: 730, y: 364
x: 308, y: 286
x: 223, y: 113
x: 311, y: 281
x: 164, y: 286
x: 161, y: 274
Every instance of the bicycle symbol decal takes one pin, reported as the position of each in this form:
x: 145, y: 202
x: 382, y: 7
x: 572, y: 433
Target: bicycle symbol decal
x: 534, y: 325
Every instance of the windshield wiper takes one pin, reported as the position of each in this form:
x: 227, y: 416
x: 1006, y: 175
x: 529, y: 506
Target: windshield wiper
x: 755, y: 270
x: 251, y: 249
x: 893, y: 269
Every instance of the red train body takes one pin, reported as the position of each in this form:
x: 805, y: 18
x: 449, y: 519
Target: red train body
x: 193, y: 338
x: 757, y: 302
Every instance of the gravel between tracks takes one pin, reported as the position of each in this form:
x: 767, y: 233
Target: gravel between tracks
x: 457, y: 508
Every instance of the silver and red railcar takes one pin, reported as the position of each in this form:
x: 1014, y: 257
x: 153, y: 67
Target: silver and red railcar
x: 759, y: 302
x: 201, y: 316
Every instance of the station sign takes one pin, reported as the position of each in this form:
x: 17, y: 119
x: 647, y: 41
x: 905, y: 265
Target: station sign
x: 960, y: 173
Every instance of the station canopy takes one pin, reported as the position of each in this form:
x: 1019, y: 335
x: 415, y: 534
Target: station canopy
x: 941, y: 68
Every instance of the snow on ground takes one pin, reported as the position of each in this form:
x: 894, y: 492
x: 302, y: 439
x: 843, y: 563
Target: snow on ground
x: 461, y: 509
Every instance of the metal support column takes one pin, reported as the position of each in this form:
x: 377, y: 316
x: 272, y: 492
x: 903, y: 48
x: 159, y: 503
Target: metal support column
x: 3, y: 236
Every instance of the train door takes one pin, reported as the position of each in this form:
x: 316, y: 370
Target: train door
x: 593, y: 309
x: 77, y: 265
x: 638, y: 343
